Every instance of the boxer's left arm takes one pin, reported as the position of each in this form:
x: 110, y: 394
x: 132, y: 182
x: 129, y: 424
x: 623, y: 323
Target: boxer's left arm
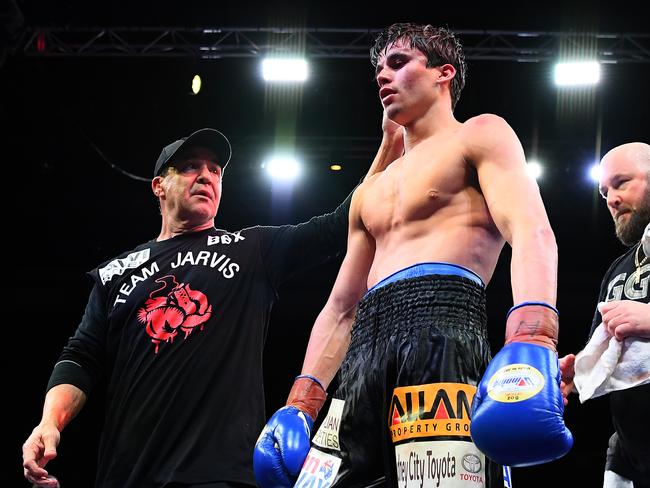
x: 515, y: 204
x: 626, y: 318
x: 512, y: 428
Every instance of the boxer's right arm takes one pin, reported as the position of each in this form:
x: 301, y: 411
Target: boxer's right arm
x: 284, y: 443
x: 330, y: 335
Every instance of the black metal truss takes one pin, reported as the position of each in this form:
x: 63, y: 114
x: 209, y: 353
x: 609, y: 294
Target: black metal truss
x: 230, y: 42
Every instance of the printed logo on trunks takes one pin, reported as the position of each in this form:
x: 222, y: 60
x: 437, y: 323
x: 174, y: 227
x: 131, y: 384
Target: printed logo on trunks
x: 328, y: 433
x: 319, y: 470
x: 515, y: 383
x: 118, y: 266
x: 472, y: 463
x: 446, y: 464
x: 436, y: 409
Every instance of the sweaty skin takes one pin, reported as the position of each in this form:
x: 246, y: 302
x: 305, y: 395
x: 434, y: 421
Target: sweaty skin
x: 426, y: 201
x: 459, y: 192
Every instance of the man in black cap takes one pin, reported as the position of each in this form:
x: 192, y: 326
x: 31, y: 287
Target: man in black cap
x: 176, y: 327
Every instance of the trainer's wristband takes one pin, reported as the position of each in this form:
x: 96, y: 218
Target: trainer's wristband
x: 313, y: 378
x: 526, y: 304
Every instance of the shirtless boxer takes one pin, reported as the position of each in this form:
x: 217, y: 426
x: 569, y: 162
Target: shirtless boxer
x: 424, y: 239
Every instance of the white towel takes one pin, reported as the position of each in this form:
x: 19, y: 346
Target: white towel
x: 606, y: 364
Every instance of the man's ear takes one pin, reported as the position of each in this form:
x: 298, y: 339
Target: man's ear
x: 156, y: 186
x: 447, y: 72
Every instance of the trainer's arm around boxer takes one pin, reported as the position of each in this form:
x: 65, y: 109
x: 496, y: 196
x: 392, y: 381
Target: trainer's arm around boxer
x: 62, y: 403
x: 391, y: 147
x: 522, y: 424
x: 285, y: 441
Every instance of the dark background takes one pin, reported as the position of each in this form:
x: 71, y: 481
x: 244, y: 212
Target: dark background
x: 66, y: 209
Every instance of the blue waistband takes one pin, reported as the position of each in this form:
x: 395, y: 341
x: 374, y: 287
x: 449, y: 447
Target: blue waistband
x: 423, y: 269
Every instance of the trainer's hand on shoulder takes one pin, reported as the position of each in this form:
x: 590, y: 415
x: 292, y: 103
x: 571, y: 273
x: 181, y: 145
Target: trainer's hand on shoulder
x: 38, y: 450
x: 626, y: 318
x: 393, y: 130
x: 567, y: 372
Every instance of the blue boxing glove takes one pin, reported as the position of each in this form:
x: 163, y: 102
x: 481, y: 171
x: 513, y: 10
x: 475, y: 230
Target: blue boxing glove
x: 517, y: 413
x: 284, y: 443
x: 282, y: 448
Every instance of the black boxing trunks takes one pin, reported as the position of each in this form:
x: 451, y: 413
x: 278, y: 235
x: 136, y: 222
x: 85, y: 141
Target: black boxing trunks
x: 401, y: 414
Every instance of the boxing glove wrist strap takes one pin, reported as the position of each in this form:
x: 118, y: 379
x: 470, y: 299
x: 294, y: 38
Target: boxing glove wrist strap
x: 313, y: 378
x: 527, y: 304
x: 533, y: 322
x: 308, y: 395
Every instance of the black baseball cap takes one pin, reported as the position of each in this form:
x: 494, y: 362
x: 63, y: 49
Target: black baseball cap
x: 209, y: 138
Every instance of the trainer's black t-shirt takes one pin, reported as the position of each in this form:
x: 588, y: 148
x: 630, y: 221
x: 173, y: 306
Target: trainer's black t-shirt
x: 176, y: 329
x: 630, y: 408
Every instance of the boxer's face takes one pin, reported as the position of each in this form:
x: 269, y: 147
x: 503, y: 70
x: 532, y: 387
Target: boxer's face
x: 624, y: 184
x: 405, y: 82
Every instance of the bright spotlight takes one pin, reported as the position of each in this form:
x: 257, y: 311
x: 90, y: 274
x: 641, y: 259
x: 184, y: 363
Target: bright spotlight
x: 283, y: 168
x: 594, y: 172
x: 577, y: 73
x: 336, y: 167
x: 284, y: 69
x: 534, y: 169
x: 196, y: 84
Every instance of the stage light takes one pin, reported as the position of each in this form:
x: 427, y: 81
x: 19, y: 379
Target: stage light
x: 577, y: 73
x: 594, y: 172
x: 336, y: 167
x: 283, y: 168
x: 534, y: 169
x: 196, y: 84
x: 285, y: 69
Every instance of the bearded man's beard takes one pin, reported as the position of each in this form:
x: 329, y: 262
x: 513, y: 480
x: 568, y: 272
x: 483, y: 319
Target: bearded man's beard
x: 630, y: 232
